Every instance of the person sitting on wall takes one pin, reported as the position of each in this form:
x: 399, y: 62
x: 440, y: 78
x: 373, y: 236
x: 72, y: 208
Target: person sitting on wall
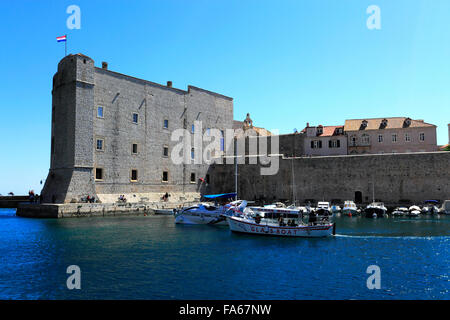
x: 31, y: 195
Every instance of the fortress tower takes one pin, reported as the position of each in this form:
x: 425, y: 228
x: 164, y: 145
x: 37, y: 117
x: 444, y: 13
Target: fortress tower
x: 111, y: 135
x: 71, y: 158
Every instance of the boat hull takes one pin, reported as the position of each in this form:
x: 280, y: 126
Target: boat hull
x: 199, y: 219
x: 244, y: 226
x: 350, y: 212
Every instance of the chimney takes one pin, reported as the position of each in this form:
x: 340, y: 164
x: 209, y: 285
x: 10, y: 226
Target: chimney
x: 169, y: 84
x: 105, y: 65
x: 307, y: 124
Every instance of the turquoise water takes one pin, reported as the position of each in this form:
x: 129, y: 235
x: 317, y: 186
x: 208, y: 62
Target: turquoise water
x: 151, y: 258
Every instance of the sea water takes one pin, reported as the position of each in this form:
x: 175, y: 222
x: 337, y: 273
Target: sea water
x: 149, y: 257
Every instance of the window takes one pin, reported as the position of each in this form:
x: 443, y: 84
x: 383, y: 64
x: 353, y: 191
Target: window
x: 316, y: 144
x: 134, y: 175
x: 334, y: 144
x: 193, y: 128
x: 134, y: 148
x: 166, y: 124
x: 165, y: 176
x: 208, y: 132
x: 380, y: 138
x: 222, y: 140
x: 99, y: 145
x: 394, y: 137
x: 353, y: 141
x: 98, y: 174
x: 192, y: 154
x: 99, y: 112
x: 422, y: 136
x: 319, y: 130
x: 365, y: 139
x: 192, y: 177
x: 135, y: 117
x: 165, y: 151
x: 407, y: 137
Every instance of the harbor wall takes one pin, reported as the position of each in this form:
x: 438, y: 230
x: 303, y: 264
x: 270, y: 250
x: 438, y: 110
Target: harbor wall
x: 398, y: 178
x: 75, y: 210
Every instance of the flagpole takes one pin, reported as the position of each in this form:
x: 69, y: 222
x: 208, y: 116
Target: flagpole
x: 65, y: 47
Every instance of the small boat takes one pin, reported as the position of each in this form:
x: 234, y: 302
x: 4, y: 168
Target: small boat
x: 375, y: 210
x: 350, y: 208
x: 165, y: 212
x: 323, y: 208
x: 414, y: 211
x: 335, y: 209
x: 445, y: 209
x: 430, y: 207
x: 400, y: 211
x: 208, y: 213
x: 246, y: 224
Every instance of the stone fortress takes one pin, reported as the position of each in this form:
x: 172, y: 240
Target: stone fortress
x: 111, y: 135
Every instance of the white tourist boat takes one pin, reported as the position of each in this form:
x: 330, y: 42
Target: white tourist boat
x: 275, y: 210
x: 414, y: 211
x: 208, y: 213
x: 245, y: 224
x: 350, y: 209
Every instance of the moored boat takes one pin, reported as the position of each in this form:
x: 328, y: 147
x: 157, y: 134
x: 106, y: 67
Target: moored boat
x: 349, y: 208
x: 400, y: 211
x: 208, y: 213
x: 245, y: 224
x: 375, y: 210
x: 414, y: 211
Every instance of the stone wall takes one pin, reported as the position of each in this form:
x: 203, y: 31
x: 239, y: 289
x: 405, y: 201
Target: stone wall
x: 415, y: 177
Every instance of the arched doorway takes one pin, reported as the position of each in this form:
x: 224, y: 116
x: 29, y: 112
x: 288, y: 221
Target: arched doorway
x: 358, y: 196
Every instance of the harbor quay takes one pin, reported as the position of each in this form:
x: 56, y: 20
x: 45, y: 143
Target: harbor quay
x: 77, y: 210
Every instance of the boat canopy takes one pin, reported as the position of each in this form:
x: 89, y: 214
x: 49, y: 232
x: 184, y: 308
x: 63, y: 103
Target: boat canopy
x: 431, y: 201
x: 220, y: 196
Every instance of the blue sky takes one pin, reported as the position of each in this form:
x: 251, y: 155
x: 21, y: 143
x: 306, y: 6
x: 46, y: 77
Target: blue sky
x: 284, y: 62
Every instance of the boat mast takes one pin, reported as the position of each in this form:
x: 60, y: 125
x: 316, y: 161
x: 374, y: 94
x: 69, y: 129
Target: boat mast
x: 235, y: 169
x: 293, y: 181
x: 373, y: 191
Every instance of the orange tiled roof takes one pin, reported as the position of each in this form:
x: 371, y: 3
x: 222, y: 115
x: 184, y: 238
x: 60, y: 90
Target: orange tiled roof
x: 376, y: 124
x: 327, y: 131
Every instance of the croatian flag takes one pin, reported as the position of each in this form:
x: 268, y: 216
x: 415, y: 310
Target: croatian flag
x: 61, y: 39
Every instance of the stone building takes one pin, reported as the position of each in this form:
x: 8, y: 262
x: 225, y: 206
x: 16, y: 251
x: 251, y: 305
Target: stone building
x: 324, y: 140
x: 111, y: 135
x: 390, y: 135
